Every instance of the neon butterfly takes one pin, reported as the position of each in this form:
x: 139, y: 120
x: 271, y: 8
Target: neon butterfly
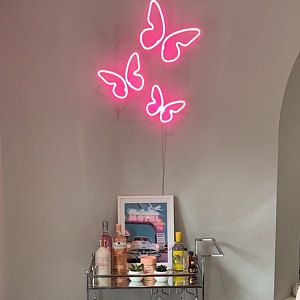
x: 152, y: 36
x: 157, y: 106
x: 132, y: 78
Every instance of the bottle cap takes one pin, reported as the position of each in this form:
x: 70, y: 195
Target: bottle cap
x: 105, y: 225
x: 178, y: 236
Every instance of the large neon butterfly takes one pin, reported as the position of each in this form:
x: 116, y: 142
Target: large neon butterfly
x: 155, y: 34
x: 132, y: 78
x: 158, y: 106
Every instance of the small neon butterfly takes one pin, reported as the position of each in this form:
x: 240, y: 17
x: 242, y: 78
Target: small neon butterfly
x: 132, y: 78
x: 152, y: 36
x: 157, y: 106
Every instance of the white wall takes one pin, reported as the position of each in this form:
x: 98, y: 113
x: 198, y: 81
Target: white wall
x: 288, y: 204
x: 66, y: 156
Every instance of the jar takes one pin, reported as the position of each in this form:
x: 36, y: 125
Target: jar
x: 149, y: 263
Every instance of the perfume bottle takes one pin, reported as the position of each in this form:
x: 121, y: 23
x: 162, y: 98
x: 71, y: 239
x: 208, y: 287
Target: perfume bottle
x: 119, y: 252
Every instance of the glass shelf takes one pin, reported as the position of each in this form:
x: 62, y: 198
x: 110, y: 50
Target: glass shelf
x: 174, y: 280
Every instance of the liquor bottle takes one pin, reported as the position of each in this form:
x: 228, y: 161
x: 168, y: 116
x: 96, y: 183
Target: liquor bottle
x: 178, y: 251
x: 193, y: 257
x: 103, y: 255
x: 119, y: 252
x: 192, y: 269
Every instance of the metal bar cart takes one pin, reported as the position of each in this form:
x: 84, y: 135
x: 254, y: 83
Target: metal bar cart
x: 178, y: 281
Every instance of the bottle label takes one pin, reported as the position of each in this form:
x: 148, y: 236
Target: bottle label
x: 103, y: 264
x: 178, y: 260
x: 119, y: 245
x: 105, y: 241
x: 103, y: 261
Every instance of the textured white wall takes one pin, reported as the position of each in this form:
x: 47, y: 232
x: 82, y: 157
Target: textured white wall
x: 66, y: 156
x: 288, y: 204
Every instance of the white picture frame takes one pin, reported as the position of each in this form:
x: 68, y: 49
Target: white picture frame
x: 148, y: 223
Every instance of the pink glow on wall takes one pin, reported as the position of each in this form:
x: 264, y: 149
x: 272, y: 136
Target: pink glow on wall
x: 157, y: 106
x: 172, y: 44
x: 132, y: 78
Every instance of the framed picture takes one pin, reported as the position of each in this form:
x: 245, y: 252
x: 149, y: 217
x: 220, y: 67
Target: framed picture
x: 148, y: 224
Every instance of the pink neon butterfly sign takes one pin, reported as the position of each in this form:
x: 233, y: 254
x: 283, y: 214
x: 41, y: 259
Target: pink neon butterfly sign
x: 132, y: 78
x: 155, y: 34
x: 170, y: 45
x: 157, y: 106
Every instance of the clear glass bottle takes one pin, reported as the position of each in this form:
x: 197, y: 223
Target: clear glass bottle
x: 178, y: 252
x: 103, y: 255
x: 119, y: 252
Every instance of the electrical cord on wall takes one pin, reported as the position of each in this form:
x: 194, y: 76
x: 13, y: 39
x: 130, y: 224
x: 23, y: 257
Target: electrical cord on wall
x: 163, y: 157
